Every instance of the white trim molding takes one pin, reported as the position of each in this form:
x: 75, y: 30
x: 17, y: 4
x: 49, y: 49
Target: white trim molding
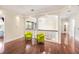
x: 12, y: 39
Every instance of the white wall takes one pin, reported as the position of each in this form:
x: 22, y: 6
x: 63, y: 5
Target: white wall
x: 71, y: 27
x: 29, y: 18
x: 14, y: 28
x: 72, y: 34
x: 77, y: 28
x: 77, y: 31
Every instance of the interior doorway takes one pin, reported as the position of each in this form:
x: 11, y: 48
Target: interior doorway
x: 1, y: 34
x: 64, y: 31
x: 67, y: 34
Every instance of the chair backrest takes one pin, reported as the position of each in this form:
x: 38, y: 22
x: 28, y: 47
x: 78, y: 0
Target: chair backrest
x: 28, y: 34
x: 40, y: 36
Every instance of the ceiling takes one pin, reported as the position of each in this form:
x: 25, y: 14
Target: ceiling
x: 70, y: 11
x: 33, y: 9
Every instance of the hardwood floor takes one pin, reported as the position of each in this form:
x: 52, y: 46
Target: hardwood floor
x: 1, y: 38
x: 19, y: 46
x: 77, y: 46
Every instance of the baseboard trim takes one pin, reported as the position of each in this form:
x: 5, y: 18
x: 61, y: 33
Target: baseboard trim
x: 12, y: 39
x: 53, y: 41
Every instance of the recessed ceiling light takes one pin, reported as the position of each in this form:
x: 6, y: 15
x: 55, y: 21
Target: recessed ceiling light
x: 32, y: 10
x: 69, y: 11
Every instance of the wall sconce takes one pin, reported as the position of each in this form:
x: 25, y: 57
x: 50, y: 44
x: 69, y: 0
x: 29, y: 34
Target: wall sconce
x: 17, y: 20
x: 1, y: 12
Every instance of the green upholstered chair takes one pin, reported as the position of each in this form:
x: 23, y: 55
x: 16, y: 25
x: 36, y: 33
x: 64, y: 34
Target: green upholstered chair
x: 40, y: 38
x: 28, y: 35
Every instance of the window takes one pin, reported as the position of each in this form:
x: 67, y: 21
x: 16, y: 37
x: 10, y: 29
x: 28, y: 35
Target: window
x: 30, y: 25
x: 48, y: 22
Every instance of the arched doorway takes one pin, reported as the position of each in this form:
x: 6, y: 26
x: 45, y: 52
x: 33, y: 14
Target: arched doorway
x: 1, y: 34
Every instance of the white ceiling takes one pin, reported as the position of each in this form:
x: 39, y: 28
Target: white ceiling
x: 70, y: 11
x: 38, y: 9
